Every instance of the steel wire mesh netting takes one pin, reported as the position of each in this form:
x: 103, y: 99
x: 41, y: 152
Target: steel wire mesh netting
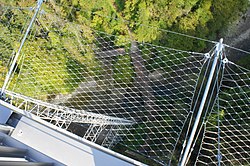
x: 78, y: 67
x: 149, y: 91
x: 226, y: 140
x: 13, y: 22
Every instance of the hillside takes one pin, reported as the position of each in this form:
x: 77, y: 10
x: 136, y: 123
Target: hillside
x: 133, y: 59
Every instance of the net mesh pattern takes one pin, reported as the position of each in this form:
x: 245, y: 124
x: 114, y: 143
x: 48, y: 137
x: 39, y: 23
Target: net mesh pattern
x: 226, y: 140
x: 75, y: 68
x: 12, y: 29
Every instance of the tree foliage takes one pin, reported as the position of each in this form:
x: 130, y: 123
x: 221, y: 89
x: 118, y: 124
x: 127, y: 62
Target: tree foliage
x: 124, y: 21
x: 79, y: 26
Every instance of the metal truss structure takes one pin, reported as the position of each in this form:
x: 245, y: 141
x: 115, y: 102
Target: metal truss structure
x: 156, y: 102
x: 63, y: 116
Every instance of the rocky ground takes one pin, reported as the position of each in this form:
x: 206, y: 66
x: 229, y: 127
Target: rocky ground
x: 239, y: 36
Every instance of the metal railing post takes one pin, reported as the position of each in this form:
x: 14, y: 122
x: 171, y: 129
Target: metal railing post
x: 7, y: 78
x: 218, y: 50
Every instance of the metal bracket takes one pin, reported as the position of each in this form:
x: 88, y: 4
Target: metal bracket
x: 207, y: 55
x: 225, y: 60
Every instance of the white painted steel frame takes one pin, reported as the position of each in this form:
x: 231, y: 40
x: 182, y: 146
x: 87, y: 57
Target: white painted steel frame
x: 65, y: 114
x: 218, y: 51
x: 69, y: 134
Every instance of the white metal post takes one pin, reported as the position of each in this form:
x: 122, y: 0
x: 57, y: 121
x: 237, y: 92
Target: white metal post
x: 7, y: 78
x: 218, y: 50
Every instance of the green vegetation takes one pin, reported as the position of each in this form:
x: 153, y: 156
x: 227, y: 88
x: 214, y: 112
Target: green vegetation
x: 60, y: 52
x: 144, y: 21
x: 201, y: 18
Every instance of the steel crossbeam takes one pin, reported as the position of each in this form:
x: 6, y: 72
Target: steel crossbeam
x: 62, y: 114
